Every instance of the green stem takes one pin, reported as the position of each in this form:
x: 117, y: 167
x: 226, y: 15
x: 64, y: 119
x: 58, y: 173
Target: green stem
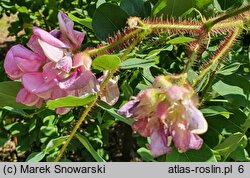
x: 177, y: 26
x: 72, y: 134
x: 210, y: 23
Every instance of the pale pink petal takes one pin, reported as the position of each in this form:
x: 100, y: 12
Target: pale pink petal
x: 51, y: 52
x: 176, y: 93
x: 35, y: 83
x: 11, y: 67
x: 79, y: 36
x: 62, y: 110
x: 35, y: 46
x: 161, y: 111
x: 66, y: 27
x: 196, y: 120
x: 58, y: 93
x: 182, y: 137
x: 27, y: 98
x: 48, y: 38
x: 65, y: 64
x: 82, y: 60
x: 111, y: 92
x: 50, y: 72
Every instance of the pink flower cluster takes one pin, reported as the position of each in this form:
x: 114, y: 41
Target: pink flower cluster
x: 55, y: 67
x: 167, y: 112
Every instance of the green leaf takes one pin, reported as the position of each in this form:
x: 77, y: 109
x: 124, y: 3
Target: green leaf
x: 226, y: 4
x: 35, y: 157
x: 234, y: 88
x: 147, y: 75
x: 215, y: 110
x: 180, y: 40
x: 145, y: 154
x: 16, y: 111
x: 55, y: 143
x: 48, y: 132
x: 136, y: 8
x: 87, y: 22
x: 228, y: 126
x: 205, y: 154
x: 160, y: 6
x: 135, y: 62
x: 240, y: 154
x: 229, y: 69
x: 106, y: 62
x: 71, y: 101
x: 89, y: 147
x: 230, y: 144
x: 246, y: 124
x: 108, y: 19
x: 8, y: 92
x: 172, y: 7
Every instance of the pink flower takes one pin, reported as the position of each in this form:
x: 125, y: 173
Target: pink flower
x: 54, y: 67
x: 166, y: 112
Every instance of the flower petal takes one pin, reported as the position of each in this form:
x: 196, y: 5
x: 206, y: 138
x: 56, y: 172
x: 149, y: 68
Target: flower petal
x: 128, y: 109
x: 110, y: 93
x: 62, y: 110
x: 84, y: 80
x: 65, y: 64
x: 50, y: 72
x: 196, y: 120
x: 181, y: 135
x: 11, y: 67
x: 158, y: 142
x: 183, y: 138
x: 66, y: 27
x: 35, y: 83
x: 82, y: 60
x: 51, y: 52
x: 141, y: 126
x: 195, y: 142
x: 48, y: 38
x: 29, y: 99
x: 35, y: 46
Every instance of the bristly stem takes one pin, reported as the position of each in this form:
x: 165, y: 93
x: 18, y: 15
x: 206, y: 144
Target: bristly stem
x: 103, y: 49
x: 210, y: 23
x: 214, y: 64
x: 197, y: 49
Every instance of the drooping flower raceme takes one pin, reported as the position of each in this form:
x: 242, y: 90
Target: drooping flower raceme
x: 167, y: 112
x: 54, y: 67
